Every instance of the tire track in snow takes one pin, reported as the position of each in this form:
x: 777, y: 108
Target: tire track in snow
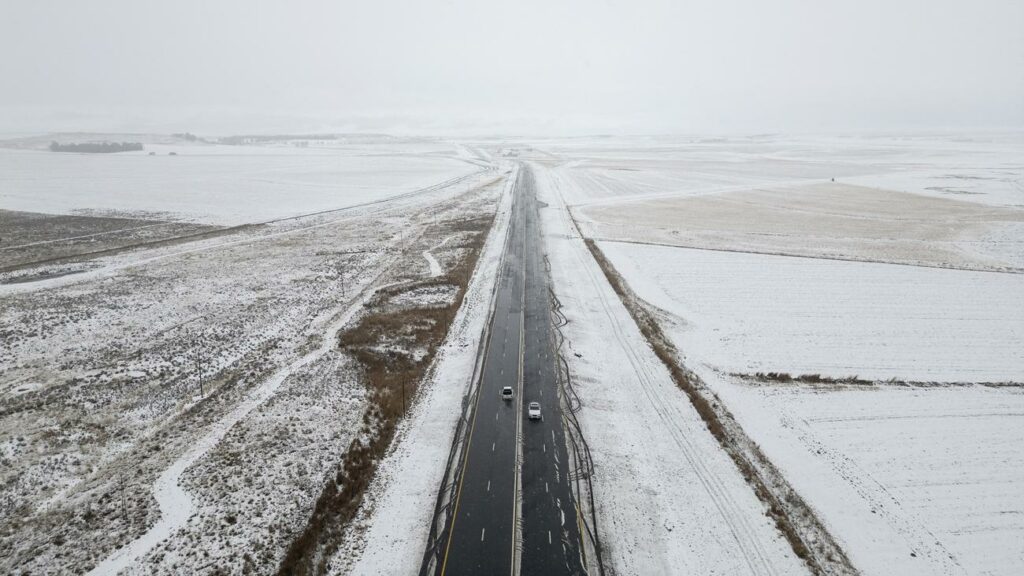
x: 922, y: 540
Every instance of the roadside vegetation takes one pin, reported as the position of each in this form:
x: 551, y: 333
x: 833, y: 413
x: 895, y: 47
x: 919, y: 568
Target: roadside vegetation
x: 832, y: 382
x: 393, y: 343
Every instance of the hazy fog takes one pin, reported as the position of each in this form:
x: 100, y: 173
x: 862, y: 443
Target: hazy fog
x: 524, y: 66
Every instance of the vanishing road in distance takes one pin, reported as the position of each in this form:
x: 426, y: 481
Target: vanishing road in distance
x: 492, y: 496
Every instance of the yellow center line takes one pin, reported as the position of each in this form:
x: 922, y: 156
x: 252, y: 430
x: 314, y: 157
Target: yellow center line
x: 469, y: 439
x: 458, y: 493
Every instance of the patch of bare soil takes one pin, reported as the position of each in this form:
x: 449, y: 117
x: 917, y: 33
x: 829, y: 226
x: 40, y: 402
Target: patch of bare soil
x: 31, y: 239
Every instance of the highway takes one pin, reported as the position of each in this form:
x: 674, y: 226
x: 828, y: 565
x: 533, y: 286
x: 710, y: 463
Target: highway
x: 492, y: 496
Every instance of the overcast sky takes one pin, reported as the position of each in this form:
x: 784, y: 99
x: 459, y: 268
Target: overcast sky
x: 515, y: 66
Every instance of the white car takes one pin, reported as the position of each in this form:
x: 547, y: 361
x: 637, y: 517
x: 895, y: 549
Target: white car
x: 534, y: 411
x: 506, y: 393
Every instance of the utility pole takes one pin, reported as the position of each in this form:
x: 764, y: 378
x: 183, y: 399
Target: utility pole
x: 124, y: 504
x: 199, y: 367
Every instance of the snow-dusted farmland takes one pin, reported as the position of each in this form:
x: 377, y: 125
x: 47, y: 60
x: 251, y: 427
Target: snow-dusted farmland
x: 916, y: 481
x: 107, y: 438
x: 985, y: 168
x: 828, y: 219
x: 911, y: 480
x: 749, y: 313
x: 219, y: 184
x: 907, y: 266
x: 668, y: 499
x: 938, y: 201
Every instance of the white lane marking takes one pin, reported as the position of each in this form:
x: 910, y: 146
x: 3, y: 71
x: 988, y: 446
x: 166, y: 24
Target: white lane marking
x: 488, y: 485
x: 484, y: 530
x: 492, y: 446
x: 549, y: 537
x: 544, y: 447
x: 545, y: 486
x: 495, y: 415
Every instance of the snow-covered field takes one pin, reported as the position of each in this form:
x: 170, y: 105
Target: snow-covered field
x: 390, y: 532
x: 910, y: 480
x: 985, y: 168
x: 222, y: 184
x: 939, y: 202
x: 106, y: 435
x: 747, y: 313
x: 669, y: 500
x: 825, y: 220
x: 907, y: 266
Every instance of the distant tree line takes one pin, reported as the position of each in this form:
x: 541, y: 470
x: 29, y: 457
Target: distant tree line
x: 186, y: 136
x: 96, y: 147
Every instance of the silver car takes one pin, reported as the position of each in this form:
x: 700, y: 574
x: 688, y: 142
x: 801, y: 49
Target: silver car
x: 534, y: 411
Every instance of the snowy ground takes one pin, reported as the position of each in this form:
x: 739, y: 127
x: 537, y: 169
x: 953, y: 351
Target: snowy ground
x: 787, y: 271
x: 909, y: 479
x: 825, y: 220
x: 751, y: 313
x: 950, y: 202
x: 390, y: 533
x: 100, y: 395
x: 668, y: 498
x: 220, y: 184
x: 984, y: 168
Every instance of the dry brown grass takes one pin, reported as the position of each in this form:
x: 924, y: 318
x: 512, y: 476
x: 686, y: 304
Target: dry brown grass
x: 808, y: 378
x: 771, y: 378
x: 381, y: 342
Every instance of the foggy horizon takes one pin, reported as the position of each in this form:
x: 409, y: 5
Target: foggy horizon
x: 524, y: 68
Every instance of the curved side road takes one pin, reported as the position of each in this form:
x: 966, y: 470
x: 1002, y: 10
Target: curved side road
x: 175, y: 503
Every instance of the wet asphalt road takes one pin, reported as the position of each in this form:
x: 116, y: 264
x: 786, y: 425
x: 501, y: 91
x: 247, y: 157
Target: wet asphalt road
x: 520, y: 354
